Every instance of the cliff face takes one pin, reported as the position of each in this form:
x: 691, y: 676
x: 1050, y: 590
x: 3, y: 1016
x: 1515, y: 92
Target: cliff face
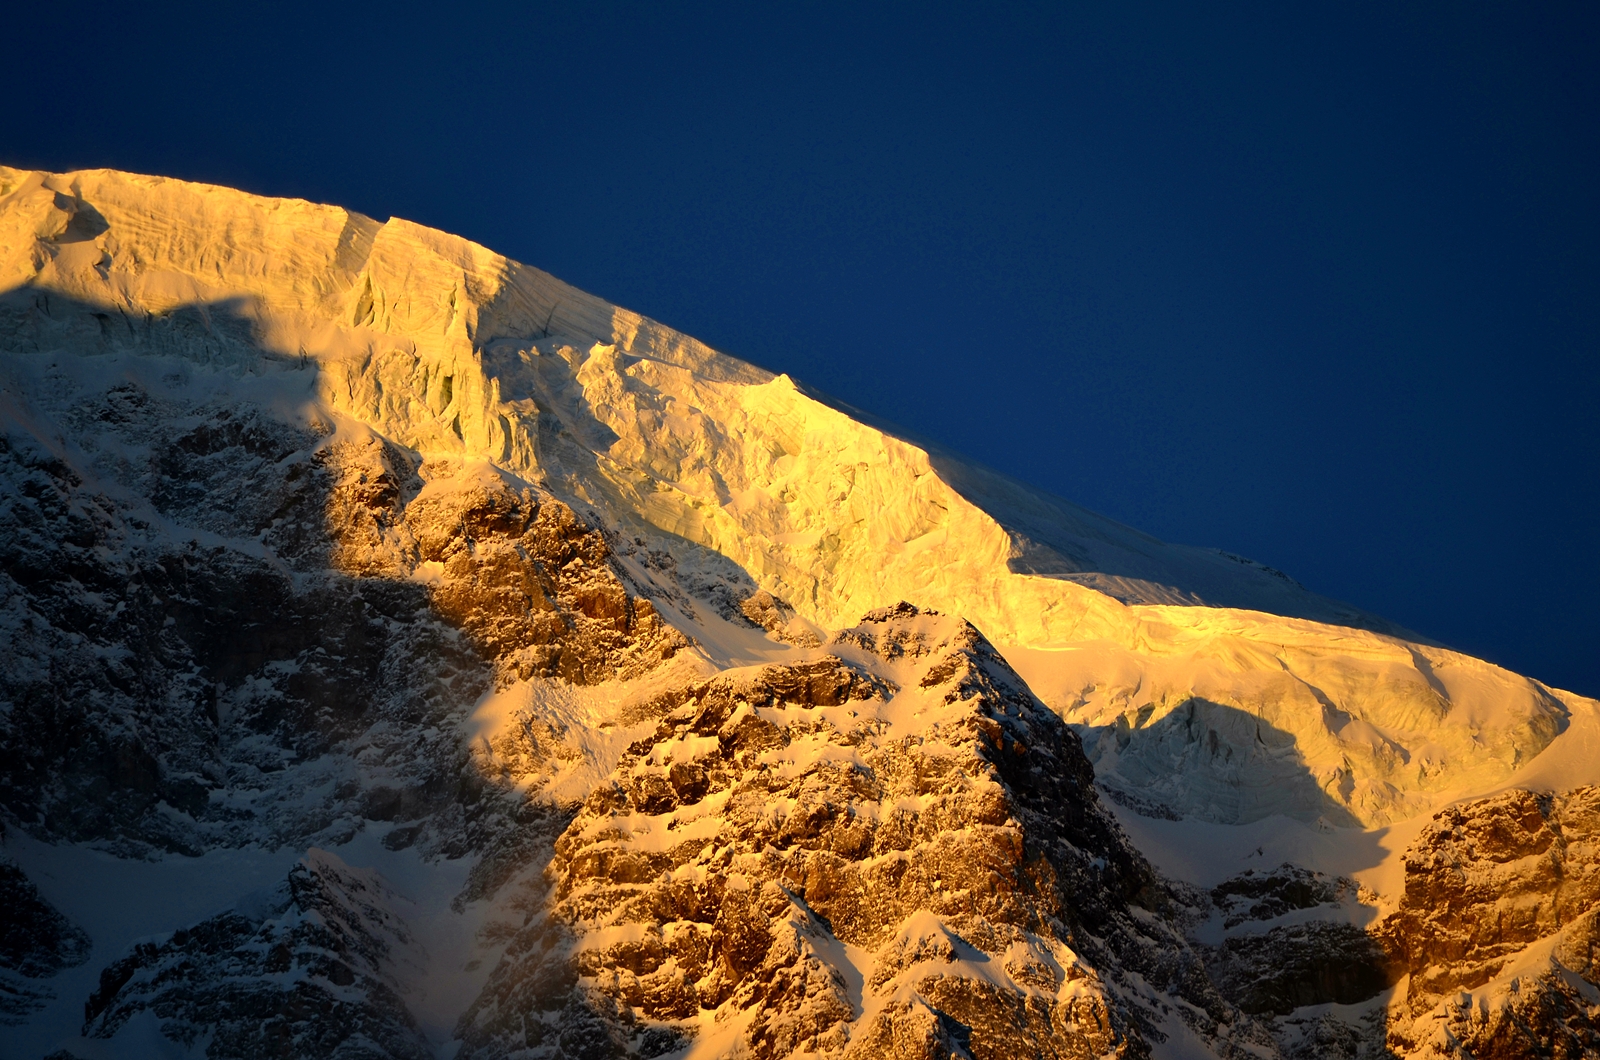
x: 891, y: 850
x: 332, y: 548
x: 1499, y: 930
x: 324, y: 600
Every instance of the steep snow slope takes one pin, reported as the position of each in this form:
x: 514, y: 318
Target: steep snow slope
x: 326, y: 283
x: 462, y: 355
x: 321, y: 531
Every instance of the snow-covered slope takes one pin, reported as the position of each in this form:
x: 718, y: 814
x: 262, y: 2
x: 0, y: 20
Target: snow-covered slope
x: 316, y: 527
x: 464, y: 356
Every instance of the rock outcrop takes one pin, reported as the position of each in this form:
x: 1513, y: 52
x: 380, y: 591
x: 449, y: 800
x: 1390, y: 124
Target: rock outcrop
x: 891, y: 850
x: 1499, y: 930
x: 325, y: 600
x: 1489, y: 954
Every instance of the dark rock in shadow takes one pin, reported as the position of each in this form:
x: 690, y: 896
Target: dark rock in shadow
x: 36, y: 943
x: 309, y: 970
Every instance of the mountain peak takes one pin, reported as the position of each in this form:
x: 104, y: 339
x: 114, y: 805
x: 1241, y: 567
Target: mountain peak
x: 696, y: 711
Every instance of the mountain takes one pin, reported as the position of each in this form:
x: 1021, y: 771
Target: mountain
x: 409, y: 654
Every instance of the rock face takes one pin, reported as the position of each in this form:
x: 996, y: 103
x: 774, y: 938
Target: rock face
x: 1289, y: 967
x: 1490, y: 951
x: 319, y: 532
x: 1499, y: 930
x: 893, y: 850
x: 1285, y: 944
x: 309, y: 970
x: 336, y: 603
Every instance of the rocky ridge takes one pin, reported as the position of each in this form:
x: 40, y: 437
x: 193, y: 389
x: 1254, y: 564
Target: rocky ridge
x: 890, y: 850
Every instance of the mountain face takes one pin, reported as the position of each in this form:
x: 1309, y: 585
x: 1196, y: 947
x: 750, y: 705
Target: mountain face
x: 407, y: 654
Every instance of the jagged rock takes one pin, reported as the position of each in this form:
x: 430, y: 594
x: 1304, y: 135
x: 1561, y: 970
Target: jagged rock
x: 175, y: 697
x: 310, y: 970
x: 1493, y: 943
x: 150, y: 681
x: 1292, y: 966
x: 529, y: 580
x: 778, y: 618
x: 1253, y: 895
x: 1288, y: 945
x: 1499, y: 928
x: 1283, y: 967
x: 904, y: 800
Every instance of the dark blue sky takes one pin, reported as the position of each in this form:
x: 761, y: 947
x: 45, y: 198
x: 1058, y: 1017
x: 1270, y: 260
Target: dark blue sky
x: 1315, y: 284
